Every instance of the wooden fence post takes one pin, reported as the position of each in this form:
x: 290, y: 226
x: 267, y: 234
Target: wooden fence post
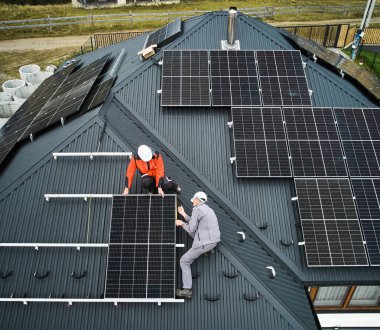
x: 49, y: 22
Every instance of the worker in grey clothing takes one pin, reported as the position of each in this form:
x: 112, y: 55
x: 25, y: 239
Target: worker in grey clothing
x: 203, y: 227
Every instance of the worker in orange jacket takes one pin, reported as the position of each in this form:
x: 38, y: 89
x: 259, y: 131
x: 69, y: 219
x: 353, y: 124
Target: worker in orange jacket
x: 151, y: 167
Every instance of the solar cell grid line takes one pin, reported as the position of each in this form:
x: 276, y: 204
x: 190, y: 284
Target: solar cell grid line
x: 314, y: 143
x: 164, y: 35
x: 234, y: 79
x: 329, y: 222
x: 98, y: 94
x: 260, y: 144
x: 282, y: 78
x: 13, y: 130
x: 185, y: 78
x: 367, y: 197
x: 141, y: 259
x: 68, y: 98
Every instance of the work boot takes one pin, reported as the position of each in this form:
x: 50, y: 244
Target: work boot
x: 184, y: 293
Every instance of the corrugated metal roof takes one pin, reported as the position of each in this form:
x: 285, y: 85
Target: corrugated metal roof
x: 196, y: 145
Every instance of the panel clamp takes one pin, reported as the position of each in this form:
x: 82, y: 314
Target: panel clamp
x: 230, y: 124
x: 233, y: 160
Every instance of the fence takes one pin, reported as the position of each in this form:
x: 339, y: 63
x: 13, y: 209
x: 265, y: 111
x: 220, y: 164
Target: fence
x: 131, y: 17
x: 337, y: 35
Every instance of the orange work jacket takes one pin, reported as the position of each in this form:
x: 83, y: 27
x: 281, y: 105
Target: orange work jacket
x: 154, y: 168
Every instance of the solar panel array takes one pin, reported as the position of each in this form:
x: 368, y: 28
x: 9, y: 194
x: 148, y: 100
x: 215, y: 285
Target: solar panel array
x: 260, y: 143
x: 13, y: 131
x: 185, y: 79
x: 360, y: 133
x: 59, y: 96
x: 238, y: 78
x: 330, y: 224
x: 164, y: 35
x: 314, y: 142
x: 282, y: 78
x: 141, y: 256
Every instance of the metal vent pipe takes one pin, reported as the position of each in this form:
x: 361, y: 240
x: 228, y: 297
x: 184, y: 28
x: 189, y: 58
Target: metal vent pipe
x: 231, y: 25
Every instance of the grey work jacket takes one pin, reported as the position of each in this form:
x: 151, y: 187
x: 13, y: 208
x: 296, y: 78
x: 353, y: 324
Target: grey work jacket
x: 202, y: 226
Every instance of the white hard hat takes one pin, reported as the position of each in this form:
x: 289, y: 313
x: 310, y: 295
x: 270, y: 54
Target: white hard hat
x: 200, y: 195
x: 145, y: 153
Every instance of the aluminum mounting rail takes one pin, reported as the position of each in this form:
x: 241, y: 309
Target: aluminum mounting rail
x: 115, y: 301
x: 36, y: 246
x: 91, y: 154
x: 84, y: 196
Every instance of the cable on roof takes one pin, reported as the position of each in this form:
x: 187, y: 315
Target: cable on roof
x: 78, y: 276
x: 212, y: 298
x: 41, y: 276
x: 6, y: 274
x: 230, y: 274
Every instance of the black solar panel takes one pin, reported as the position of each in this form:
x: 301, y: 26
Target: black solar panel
x: 185, y: 78
x: 141, y: 257
x: 314, y: 142
x: 67, y: 99
x: 282, y: 78
x: 329, y: 223
x: 165, y: 35
x: 360, y: 134
x: 260, y: 143
x: 234, y: 78
x: 367, y: 195
x: 98, y: 95
x: 13, y: 131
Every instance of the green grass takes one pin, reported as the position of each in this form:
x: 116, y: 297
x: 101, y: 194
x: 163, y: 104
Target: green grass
x: 12, y: 61
x: 367, y: 58
x: 12, y: 12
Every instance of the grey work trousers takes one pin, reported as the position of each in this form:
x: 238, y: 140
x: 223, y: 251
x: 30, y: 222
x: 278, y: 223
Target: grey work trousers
x: 188, y: 258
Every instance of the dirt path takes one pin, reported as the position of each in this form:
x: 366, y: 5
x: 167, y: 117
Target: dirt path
x: 77, y: 41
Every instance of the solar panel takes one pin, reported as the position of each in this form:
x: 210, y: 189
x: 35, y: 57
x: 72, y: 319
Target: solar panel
x: 164, y: 35
x: 141, y: 255
x: 234, y: 78
x: 330, y: 224
x: 360, y: 133
x: 282, y: 78
x: 98, y: 95
x: 367, y: 195
x: 260, y: 143
x: 13, y: 131
x: 185, y: 78
x: 314, y: 143
x: 67, y: 99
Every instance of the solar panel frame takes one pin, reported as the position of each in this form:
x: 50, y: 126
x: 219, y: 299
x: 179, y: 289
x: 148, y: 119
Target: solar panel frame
x: 259, y: 142
x: 234, y: 79
x: 314, y: 143
x: 154, y: 279
x: 367, y: 198
x: 282, y: 78
x: 330, y: 224
x: 13, y: 131
x: 185, y: 79
x: 359, y: 130
x: 164, y: 35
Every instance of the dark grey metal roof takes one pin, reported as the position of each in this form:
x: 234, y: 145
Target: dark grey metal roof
x: 196, y: 146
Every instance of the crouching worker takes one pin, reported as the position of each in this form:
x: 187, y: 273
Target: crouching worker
x: 151, y: 167
x: 203, y: 227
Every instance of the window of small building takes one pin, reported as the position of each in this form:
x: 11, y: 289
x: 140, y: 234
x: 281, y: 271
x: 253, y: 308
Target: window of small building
x: 365, y: 296
x: 330, y: 296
